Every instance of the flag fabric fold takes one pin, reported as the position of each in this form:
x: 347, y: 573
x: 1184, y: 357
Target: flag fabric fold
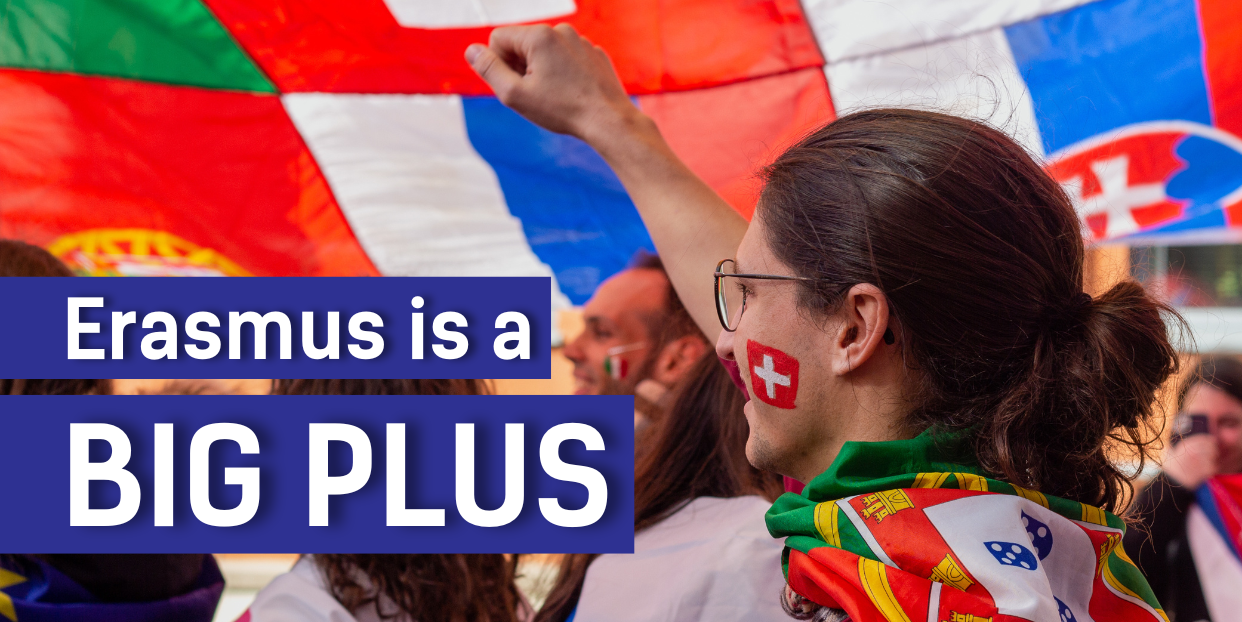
x: 913, y: 530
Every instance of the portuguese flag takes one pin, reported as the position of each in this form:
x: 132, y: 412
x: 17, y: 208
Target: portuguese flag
x: 139, y: 138
x: 904, y: 531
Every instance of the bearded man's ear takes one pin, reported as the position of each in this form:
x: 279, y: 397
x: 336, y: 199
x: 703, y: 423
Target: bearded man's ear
x: 678, y: 357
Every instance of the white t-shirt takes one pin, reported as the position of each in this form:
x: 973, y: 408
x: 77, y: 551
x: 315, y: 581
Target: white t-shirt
x: 712, y: 561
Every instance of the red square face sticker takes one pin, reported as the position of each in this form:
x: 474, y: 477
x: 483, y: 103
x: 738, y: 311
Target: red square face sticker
x: 773, y: 375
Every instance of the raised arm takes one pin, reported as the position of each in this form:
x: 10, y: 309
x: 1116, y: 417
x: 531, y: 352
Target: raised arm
x: 564, y: 83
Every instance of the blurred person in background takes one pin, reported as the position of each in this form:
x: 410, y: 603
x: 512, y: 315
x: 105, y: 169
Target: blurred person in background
x: 701, y: 550
x: 18, y: 258
x: 106, y: 586
x: 1160, y: 547
x: 637, y: 339
x: 97, y: 587
x: 402, y: 588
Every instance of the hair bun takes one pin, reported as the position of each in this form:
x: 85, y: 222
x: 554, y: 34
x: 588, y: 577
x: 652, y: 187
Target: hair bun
x: 1066, y: 317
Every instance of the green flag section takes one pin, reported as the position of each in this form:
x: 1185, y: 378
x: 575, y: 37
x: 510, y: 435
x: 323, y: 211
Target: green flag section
x: 170, y: 41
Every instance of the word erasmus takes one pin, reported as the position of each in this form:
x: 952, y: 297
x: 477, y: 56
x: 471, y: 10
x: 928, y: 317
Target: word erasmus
x: 320, y: 485
x: 205, y: 344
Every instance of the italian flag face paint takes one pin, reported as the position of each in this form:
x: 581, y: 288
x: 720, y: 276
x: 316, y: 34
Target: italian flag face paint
x: 615, y: 365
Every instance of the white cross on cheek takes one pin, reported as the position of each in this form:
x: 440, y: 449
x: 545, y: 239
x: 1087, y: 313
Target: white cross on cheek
x: 770, y: 377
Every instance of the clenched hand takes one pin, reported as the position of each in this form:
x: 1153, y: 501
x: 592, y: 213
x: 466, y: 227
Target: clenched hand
x: 554, y: 77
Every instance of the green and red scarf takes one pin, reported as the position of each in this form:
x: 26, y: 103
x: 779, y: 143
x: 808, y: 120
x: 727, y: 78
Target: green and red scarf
x: 908, y: 531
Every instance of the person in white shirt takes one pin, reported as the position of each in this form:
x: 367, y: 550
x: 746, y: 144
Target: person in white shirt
x: 701, y: 550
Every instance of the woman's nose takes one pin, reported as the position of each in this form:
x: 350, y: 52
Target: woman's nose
x: 724, y: 345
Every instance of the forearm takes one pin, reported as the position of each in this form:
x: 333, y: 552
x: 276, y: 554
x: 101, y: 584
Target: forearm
x: 692, y: 227
x: 566, y: 84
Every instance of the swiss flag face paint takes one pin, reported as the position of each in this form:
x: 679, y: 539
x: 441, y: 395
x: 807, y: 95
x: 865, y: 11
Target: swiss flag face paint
x: 773, y: 375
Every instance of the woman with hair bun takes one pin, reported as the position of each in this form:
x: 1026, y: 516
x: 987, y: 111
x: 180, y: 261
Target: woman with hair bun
x: 907, y: 311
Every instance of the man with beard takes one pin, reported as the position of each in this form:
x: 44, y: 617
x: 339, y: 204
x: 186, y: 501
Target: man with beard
x: 638, y: 339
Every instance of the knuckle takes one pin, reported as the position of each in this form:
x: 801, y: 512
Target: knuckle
x: 541, y: 32
x: 500, y: 33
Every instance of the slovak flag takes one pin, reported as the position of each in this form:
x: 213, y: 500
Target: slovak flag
x: 773, y: 375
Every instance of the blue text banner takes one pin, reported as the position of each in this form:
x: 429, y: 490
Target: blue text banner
x: 276, y: 327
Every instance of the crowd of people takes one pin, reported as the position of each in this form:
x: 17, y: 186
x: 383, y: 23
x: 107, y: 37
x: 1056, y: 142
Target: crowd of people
x: 912, y: 409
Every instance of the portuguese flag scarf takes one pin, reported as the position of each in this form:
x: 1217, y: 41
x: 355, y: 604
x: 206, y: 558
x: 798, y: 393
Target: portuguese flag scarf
x: 908, y: 531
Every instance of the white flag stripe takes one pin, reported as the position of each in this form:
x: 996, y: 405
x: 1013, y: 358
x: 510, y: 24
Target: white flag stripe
x: 1066, y: 573
x: 849, y: 29
x: 933, y: 602
x: 861, y: 526
x: 974, y: 76
x: 475, y: 13
x: 419, y: 198
x: 1219, y: 569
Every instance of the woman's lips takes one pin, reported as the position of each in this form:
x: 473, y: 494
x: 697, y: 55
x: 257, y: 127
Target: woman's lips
x: 735, y: 373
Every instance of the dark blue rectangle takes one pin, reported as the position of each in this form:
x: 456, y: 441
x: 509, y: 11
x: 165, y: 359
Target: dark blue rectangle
x: 35, y: 432
x: 35, y: 341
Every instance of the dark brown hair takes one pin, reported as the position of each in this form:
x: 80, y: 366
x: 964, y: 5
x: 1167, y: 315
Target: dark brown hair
x: 452, y: 587
x: 18, y: 258
x: 1220, y: 372
x: 380, y: 387
x: 56, y: 387
x: 698, y: 450
x: 980, y: 255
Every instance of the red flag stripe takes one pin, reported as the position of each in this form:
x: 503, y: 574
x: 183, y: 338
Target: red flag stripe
x: 223, y: 172
x: 656, y: 45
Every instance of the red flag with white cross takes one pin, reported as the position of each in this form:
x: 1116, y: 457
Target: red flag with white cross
x: 773, y: 375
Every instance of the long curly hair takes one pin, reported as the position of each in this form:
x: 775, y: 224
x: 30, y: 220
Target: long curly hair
x: 446, y: 587
x: 437, y: 587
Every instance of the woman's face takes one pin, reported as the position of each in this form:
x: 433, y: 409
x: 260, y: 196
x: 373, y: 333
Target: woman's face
x: 781, y: 353
x: 1224, y: 414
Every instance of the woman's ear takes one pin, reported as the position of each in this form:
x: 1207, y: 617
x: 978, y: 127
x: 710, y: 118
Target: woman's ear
x: 863, y: 328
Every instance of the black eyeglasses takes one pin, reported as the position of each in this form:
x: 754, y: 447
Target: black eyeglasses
x: 732, y: 300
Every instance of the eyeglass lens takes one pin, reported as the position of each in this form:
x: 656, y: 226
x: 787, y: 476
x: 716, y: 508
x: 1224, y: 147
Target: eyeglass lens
x: 729, y: 298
